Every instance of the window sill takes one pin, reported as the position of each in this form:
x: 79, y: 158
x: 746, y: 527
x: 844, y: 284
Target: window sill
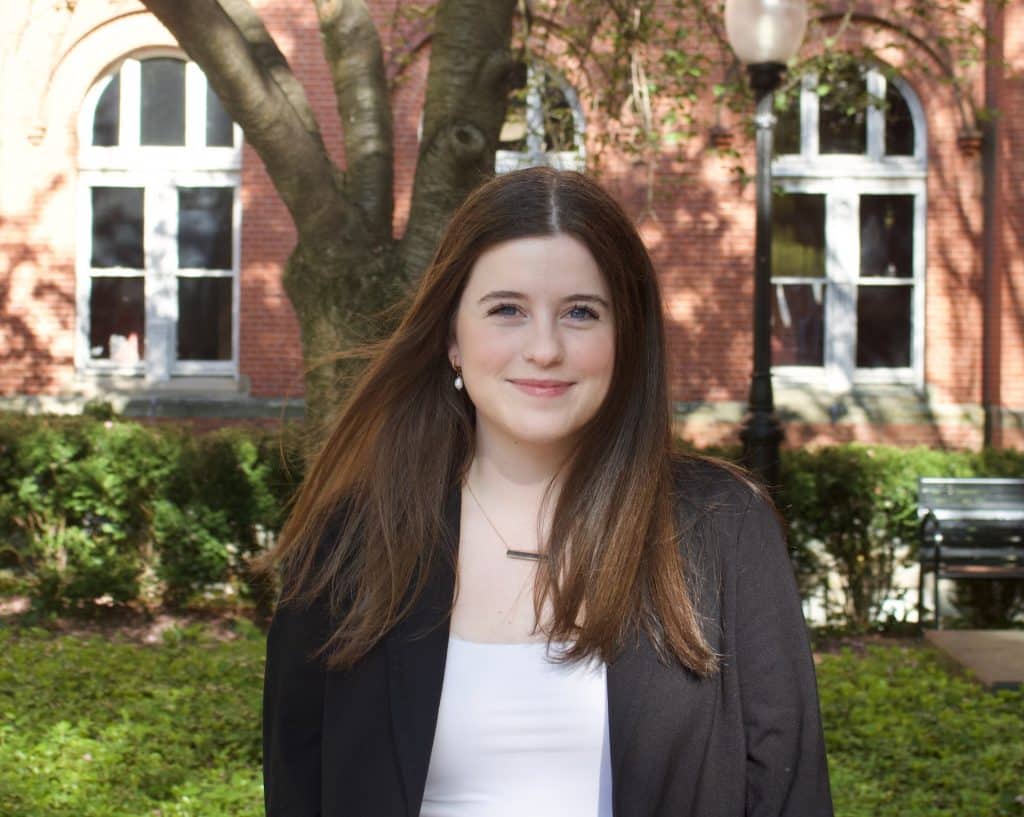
x: 864, y: 404
x: 178, y: 398
x: 868, y: 404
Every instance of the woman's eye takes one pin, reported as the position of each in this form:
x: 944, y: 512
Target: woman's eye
x: 505, y: 310
x: 581, y: 312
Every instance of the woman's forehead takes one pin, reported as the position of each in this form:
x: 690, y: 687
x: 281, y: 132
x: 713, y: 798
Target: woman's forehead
x: 537, y: 264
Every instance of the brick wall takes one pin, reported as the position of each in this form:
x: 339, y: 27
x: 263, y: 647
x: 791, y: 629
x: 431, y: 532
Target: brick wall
x: 699, y: 227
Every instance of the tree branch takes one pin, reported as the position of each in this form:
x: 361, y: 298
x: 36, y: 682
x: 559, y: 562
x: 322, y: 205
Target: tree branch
x: 471, y: 72
x: 353, y: 50
x: 258, y: 89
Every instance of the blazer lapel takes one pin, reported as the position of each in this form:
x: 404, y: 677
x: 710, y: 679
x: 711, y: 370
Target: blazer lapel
x: 417, y: 649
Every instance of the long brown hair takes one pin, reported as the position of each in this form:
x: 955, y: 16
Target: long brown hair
x: 367, y: 525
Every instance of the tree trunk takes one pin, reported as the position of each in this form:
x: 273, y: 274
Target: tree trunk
x: 347, y: 266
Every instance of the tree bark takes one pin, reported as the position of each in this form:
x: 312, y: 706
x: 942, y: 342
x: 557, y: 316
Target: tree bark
x: 352, y: 48
x: 471, y: 73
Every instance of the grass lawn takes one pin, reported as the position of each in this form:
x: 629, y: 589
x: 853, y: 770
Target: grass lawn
x: 95, y: 727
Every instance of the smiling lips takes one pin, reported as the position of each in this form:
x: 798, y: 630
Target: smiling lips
x: 542, y: 388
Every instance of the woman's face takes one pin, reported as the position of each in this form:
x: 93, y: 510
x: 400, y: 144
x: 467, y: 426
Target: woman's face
x: 535, y: 338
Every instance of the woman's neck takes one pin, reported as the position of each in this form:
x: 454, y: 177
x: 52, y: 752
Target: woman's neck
x: 517, y: 472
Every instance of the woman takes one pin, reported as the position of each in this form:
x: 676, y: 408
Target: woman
x: 502, y: 593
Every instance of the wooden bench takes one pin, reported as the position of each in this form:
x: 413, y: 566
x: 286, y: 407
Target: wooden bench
x: 970, y: 529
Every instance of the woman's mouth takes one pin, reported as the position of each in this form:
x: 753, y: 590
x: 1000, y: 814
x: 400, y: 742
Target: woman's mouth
x: 542, y: 388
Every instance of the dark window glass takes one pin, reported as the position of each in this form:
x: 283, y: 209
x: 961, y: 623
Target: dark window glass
x: 899, y: 127
x: 204, y: 318
x: 513, y: 130
x: 842, y: 113
x: 117, y: 227
x: 117, y: 320
x: 787, y: 127
x: 554, y: 120
x: 204, y: 227
x: 107, y: 118
x: 559, y: 126
x: 883, y: 326
x: 163, y: 102
x: 219, y: 132
x: 798, y: 324
x: 887, y: 236
x: 798, y: 235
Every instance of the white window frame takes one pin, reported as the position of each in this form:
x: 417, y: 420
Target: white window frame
x: 506, y: 161
x: 159, y: 171
x: 843, y: 179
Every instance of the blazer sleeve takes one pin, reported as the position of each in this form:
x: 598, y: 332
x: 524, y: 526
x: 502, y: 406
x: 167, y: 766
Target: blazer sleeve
x: 787, y: 772
x: 293, y: 699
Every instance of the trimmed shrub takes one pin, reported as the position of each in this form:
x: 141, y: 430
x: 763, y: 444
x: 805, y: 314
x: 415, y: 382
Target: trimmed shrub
x: 94, y: 508
x: 89, y: 508
x: 76, y: 509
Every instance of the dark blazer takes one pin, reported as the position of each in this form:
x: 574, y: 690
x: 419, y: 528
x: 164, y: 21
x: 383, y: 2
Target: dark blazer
x: 746, y: 742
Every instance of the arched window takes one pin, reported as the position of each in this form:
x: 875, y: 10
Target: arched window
x: 543, y: 125
x: 158, y: 240
x: 848, y: 247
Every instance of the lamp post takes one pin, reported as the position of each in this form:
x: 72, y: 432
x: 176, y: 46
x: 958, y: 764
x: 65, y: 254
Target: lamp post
x: 764, y: 34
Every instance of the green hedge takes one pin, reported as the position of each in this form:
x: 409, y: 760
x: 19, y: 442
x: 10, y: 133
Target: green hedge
x: 93, y: 507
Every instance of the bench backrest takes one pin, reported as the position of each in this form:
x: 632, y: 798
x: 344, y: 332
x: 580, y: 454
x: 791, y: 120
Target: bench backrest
x: 980, y: 498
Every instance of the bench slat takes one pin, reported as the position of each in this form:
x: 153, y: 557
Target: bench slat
x: 995, y: 514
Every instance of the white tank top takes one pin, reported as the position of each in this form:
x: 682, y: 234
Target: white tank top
x: 519, y: 735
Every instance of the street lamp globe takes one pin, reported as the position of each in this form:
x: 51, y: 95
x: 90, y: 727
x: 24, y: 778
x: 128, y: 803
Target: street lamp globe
x: 765, y: 31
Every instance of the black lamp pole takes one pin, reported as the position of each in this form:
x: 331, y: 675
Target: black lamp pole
x: 762, y: 433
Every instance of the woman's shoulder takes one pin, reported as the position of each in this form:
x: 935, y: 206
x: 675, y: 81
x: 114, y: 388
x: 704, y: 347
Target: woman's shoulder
x: 711, y: 484
x: 722, y: 509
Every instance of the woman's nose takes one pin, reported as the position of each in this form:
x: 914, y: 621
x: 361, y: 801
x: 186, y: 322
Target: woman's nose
x: 544, y: 345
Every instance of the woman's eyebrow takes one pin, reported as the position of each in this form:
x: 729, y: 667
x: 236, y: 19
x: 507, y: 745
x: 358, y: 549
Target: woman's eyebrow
x: 508, y: 294
x: 501, y: 295
x: 583, y: 296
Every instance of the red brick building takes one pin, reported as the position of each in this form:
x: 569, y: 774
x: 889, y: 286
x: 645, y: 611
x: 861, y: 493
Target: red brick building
x: 141, y: 243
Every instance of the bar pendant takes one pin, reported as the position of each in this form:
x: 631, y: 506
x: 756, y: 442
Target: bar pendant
x: 525, y: 555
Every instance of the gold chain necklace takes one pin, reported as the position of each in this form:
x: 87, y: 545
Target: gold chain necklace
x: 511, y: 553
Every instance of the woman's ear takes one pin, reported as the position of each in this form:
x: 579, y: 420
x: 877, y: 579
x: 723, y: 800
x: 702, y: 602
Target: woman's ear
x: 453, y: 353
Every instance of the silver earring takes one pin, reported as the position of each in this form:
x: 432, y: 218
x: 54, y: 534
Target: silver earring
x: 458, y: 379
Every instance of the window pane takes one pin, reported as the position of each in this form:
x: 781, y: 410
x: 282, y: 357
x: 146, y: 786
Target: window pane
x: 798, y: 324
x: 163, y: 102
x: 787, y: 127
x: 899, y: 127
x: 513, y: 130
x: 887, y: 236
x: 219, y: 130
x: 798, y: 235
x: 883, y: 326
x: 117, y: 321
x: 107, y: 117
x: 204, y: 318
x: 559, y: 127
x: 204, y: 227
x: 117, y: 227
x: 842, y: 113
